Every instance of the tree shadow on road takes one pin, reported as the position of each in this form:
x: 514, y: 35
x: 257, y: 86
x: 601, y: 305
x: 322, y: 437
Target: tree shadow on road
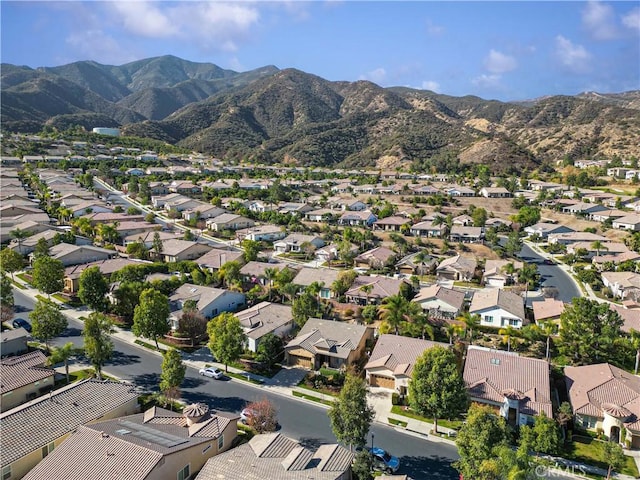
x: 193, y: 382
x: 224, y: 404
x: 434, y: 467
x: 147, y: 381
x: 120, y: 358
x: 71, y: 332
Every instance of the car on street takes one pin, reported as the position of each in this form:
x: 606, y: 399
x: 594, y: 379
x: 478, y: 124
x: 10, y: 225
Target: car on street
x: 212, y: 372
x: 382, y: 460
x: 245, y: 415
x: 20, y: 322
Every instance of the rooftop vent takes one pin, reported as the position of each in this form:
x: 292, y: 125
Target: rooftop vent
x: 495, y: 361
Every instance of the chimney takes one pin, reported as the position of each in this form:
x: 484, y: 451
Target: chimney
x: 195, y: 412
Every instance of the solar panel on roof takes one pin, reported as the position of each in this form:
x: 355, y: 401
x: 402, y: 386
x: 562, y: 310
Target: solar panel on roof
x: 153, y: 436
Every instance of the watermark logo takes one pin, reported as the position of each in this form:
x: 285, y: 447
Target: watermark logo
x: 558, y: 470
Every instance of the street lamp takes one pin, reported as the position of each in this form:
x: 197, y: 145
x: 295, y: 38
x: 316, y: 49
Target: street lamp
x: 372, y: 435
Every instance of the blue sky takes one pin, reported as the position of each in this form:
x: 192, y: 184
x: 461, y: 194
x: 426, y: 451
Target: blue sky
x: 496, y: 50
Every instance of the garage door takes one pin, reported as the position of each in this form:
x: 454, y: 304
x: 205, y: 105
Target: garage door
x: 380, y: 381
x: 298, y: 361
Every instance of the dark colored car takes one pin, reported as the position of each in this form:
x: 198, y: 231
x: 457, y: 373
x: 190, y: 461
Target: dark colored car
x: 19, y: 322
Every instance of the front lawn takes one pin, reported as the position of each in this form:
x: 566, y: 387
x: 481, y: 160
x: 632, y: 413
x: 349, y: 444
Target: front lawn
x: 589, y: 451
x: 454, y: 424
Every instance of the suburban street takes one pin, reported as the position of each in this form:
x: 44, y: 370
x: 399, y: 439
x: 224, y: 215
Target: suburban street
x: 305, y: 421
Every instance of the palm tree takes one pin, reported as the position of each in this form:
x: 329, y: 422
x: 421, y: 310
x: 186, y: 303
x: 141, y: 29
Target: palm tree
x: 549, y: 329
x: 19, y: 235
x: 451, y: 331
x: 471, y: 323
x: 270, y: 275
x: 634, y: 336
x: 62, y: 354
x: 598, y: 245
x: 508, y: 333
x: 393, y: 311
x: 289, y: 290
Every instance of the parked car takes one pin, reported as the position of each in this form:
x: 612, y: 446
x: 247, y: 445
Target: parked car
x: 245, y: 415
x: 212, y: 372
x: 382, y: 460
x: 20, y: 322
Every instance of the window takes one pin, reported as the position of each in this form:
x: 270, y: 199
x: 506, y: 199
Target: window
x: 184, y: 473
x: 220, y: 442
x: 6, y: 472
x: 325, y: 293
x: 514, y: 322
x: 488, y: 318
x: 47, y: 449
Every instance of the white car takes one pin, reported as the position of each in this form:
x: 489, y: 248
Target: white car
x: 212, y: 372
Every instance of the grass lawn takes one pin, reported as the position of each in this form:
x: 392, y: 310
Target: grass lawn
x: 17, y: 285
x: 325, y: 391
x: 588, y: 450
x: 145, y: 344
x: 241, y: 376
x: 311, y: 397
x: 452, y: 424
x: 24, y: 277
x: 399, y: 423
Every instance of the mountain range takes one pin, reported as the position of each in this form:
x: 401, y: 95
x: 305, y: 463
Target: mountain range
x: 289, y: 116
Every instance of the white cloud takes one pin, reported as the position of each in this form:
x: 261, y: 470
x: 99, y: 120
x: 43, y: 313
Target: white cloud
x: 487, y: 81
x: 434, y: 30
x: 97, y: 45
x: 376, y: 76
x: 431, y: 85
x: 143, y: 18
x: 573, y: 56
x: 599, y: 21
x: 632, y: 19
x: 497, y: 62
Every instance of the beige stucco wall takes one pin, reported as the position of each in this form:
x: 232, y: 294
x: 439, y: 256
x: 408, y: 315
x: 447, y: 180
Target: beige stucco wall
x: 19, y: 395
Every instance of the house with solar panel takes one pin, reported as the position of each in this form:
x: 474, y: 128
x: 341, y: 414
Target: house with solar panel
x: 155, y: 445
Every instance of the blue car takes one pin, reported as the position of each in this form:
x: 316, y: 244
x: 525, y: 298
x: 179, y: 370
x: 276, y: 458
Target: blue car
x: 19, y: 322
x: 382, y: 460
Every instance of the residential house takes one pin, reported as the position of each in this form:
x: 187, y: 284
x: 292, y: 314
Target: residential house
x: 622, y: 284
x: 495, y: 192
x: 630, y: 313
x: 425, y: 190
x: 25, y: 441
x: 583, y: 209
x: 229, y: 221
x: 176, y: 250
x: 371, y: 290
x: 331, y: 252
x: 76, y: 254
x: 28, y: 226
x: 496, y: 272
x: 324, y: 277
x: 202, y: 212
x: 463, y: 220
x: 159, y: 202
x: 628, y: 222
x: 376, y: 258
x: 210, y: 302
x: 572, y: 237
x: 216, y: 257
x: 262, y: 233
x: 135, y: 227
x: 154, y: 445
x: 547, y: 310
x: 610, y: 248
x: 185, y: 187
x: 466, y: 234
x: 441, y: 303
x: 391, y: 362
x: 326, y: 215
x: 107, y: 268
x: 498, y: 308
x: 362, y: 218
x: 28, y: 245
x: 605, y: 257
x: 428, y: 229
x: 352, y: 205
x: 258, y: 206
x: 417, y: 263
x: 608, y: 215
x: 543, y: 230
x: 294, y: 208
x: 90, y: 206
x: 23, y: 378
x: 110, y: 217
x: 184, y: 204
x: 328, y: 343
x: 264, y: 318
x: 606, y: 398
x: 392, y: 224
x: 459, y: 191
x: 11, y: 210
x: 272, y: 455
x: 457, y: 268
x: 295, y: 241
x: 498, y: 223
x: 519, y: 387
x: 14, y: 342
x: 254, y: 272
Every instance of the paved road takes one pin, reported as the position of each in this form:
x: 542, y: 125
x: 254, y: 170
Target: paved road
x: 552, y: 276
x: 304, y: 421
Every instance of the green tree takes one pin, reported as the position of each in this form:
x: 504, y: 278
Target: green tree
x: 634, y: 340
x: 362, y: 465
x: 612, y: 456
x: 157, y: 244
x: 92, y: 288
x: 98, y: 345
x: 47, y: 321
x: 10, y: 261
x: 151, y: 315
x: 395, y: 310
x: 527, y: 216
x: 513, y: 245
x: 478, y: 440
x: 6, y: 291
x: 471, y: 324
x: 548, y: 438
x: 41, y: 248
x: 479, y: 216
x: 48, y: 275
x: 226, y: 338
x: 350, y: 414
x: 270, y: 350
x: 251, y: 249
x: 172, y: 375
x: 589, y: 331
x: 138, y: 250
x: 19, y: 235
x: 62, y: 355
x: 343, y: 282
x: 229, y: 273
x: 437, y: 389
x: 304, y: 306
x: 127, y: 296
